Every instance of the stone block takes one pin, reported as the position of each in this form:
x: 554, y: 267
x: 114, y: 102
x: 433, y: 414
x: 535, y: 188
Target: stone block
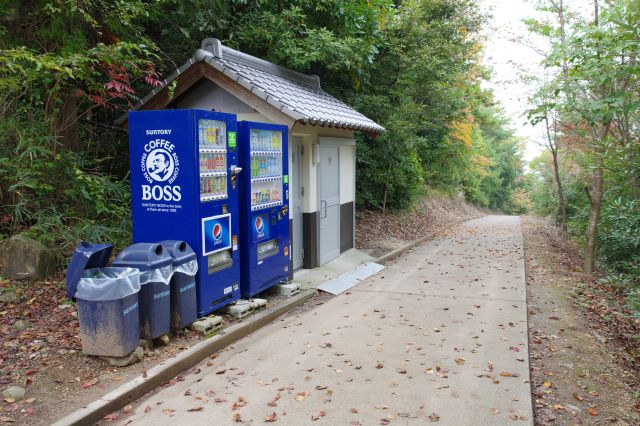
x: 207, y: 325
x: 288, y: 290
x: 258, y: 303
x: 123, y: 361
x: 240, y: 309
x: 23, y: 258
x: 162, y: 340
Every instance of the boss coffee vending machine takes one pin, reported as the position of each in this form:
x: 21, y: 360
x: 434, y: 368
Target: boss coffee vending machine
x: 184, y: 186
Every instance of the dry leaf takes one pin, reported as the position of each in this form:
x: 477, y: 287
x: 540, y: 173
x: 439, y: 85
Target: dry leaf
x: 592, y: 411
x: 379, y: 365
x: 271, y: 417
x: 147, y: 408
x: 89, y: 383
x: 547, y: 384
x: 433, y: 417
x: 507, y: 374
x: 460, y: 361
x: 578, y: 397
x: 196, y: 409
x: 381, y: 407
x: 236, y: 417
x: 494, y: 411
x: 4, y: 419
x: 127, y: 409
x: 354, y: 410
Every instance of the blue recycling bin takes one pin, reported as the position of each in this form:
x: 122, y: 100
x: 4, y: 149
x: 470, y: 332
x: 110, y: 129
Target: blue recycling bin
x: 184, y: 307
x: 156, y: 268
x: 106, y: 300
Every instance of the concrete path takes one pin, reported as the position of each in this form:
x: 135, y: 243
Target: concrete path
x: 439, y: 336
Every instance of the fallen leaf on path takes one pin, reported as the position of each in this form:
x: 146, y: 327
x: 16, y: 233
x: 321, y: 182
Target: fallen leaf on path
x: 5, y: 419
x: 381, y: 407
x: 433, y: 417
x: 578, y: 397
x: 147, y: 408
x: 379, y: 365
x: 127, y: 409
x: 89, y: 383
x: 111, y: 417
x: 354, y: 410
x: 547, y: 384
x: 317, y: 416
x: 460, y: 361
x: 271, y: 417
x: 592, y: 411
x: 236, y: 417
x: 494, y: 411
x: 508, y: 374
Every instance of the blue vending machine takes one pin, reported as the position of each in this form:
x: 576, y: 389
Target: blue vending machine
x: 184, y: 187
x: 264, y: 201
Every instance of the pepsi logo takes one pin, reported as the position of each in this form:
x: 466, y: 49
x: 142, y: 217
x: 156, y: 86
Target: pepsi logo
x: 259, y: 225
x: 217, y: 232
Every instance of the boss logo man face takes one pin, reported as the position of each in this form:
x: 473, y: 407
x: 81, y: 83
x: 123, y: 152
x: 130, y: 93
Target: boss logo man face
x: 160, y: 169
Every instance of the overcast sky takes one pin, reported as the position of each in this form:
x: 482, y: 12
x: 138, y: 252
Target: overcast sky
x: 505, y: 55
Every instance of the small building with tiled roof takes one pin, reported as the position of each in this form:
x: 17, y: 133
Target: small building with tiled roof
x: 321, y: 137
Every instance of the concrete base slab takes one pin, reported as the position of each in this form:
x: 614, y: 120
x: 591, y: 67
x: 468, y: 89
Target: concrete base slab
x: 348, y: 261
x: 287, y: 290
x: 123, y: 361
x: 207, y: 325
x: 347, y: 280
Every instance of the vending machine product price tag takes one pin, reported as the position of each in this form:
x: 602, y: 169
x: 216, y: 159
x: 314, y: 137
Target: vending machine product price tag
x: 285, y: 178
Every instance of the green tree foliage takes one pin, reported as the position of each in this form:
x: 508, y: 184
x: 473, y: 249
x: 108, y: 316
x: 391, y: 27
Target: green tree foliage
x: 68, y: 68
x: 598, y: 101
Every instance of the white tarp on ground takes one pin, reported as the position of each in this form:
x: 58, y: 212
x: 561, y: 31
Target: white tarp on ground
x: 347, y: 280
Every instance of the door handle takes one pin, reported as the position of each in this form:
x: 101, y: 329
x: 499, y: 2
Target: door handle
x: 325, y: 208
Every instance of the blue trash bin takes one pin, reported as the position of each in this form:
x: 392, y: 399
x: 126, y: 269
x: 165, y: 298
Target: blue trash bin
x: 184, y: 308
x: 156, y: 268
x: 106, y: 300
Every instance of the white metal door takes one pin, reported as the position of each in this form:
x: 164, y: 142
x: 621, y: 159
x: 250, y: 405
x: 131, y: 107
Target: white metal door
x: 329, y: 203
x: 296, y: 205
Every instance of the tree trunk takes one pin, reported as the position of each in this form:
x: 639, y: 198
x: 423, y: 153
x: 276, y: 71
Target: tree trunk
x: 562, y: 207
x: 65, y: 120
x: 594, y: 212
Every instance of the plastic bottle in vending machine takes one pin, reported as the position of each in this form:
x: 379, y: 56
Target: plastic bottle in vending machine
x: 223, y: 185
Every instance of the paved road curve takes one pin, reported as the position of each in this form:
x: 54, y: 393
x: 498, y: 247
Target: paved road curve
x: 439, y: 336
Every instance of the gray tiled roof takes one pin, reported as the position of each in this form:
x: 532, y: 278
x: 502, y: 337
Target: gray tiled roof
x: 297, y: 95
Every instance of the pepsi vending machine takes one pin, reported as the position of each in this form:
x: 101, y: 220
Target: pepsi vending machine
x: 264, y: 201
x: 184, y: 187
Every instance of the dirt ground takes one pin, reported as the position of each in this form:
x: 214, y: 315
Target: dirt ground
x: 378, y: 233
x: 46, y: 356
x: 583, y: 364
